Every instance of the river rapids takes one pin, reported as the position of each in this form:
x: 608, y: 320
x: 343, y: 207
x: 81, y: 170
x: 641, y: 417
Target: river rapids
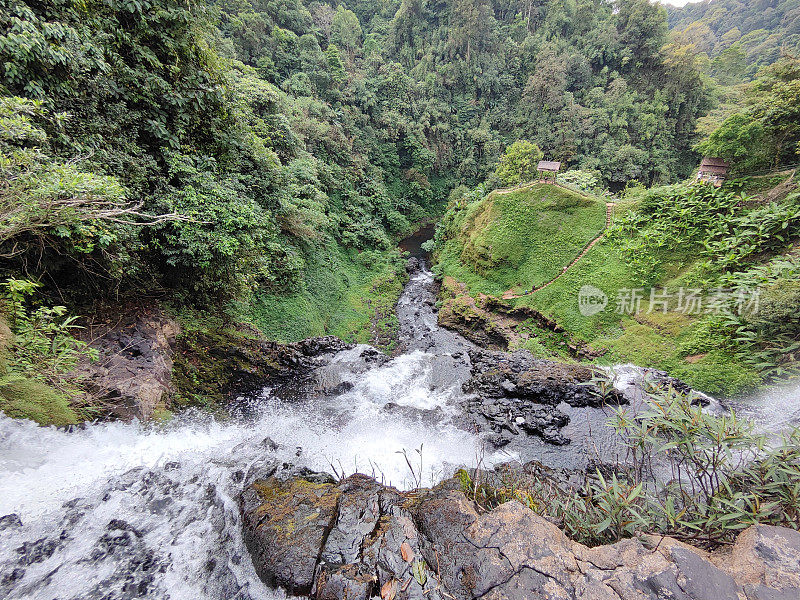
x: 118, y: 511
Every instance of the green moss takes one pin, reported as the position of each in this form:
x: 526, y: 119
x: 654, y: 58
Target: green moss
x: 31, y: 399
x: 536, y: 348
x: 207, y: 360
x: 344, y: 293
x: 523, y: 238
x: 642, y: 344
x: 718, y: 373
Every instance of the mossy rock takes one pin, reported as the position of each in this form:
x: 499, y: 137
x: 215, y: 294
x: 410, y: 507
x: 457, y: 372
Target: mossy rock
x: 285, y: 524
x: 212, y: 367
x: 31, y: 399
x: 207, y: 363
x: 6, y: 338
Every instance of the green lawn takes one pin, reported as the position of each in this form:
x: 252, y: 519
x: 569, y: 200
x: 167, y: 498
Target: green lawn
x: 523, y: 238
x: 527, y: 237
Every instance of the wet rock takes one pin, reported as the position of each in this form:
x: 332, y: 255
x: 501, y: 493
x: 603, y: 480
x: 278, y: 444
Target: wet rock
x: 515, y: 393
x: 498, y: 375
x: 517, y: 416
x: 37, y: 551
x: 435, y: 543
x: 500, y: 440
x: 270, y: 444
x: 10, y: 522
x: 412, y: 413
x: 133, y: 374
x: 231, y: 368
x: 314, y: 347
x: 285, y: 525
x: 335, y: 541
x: 545, y: 422
x: 340, y: 388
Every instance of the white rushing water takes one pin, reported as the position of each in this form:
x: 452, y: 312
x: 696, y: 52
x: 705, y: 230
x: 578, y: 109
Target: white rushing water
x: 772, y: 410
x: 156, y: 513
x: 116, y: 511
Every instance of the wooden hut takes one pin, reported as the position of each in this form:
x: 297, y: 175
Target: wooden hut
x: 713, y: 171
x: 548, y: 169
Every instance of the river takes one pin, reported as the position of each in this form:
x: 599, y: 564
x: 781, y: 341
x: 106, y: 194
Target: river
x: 118, y: 511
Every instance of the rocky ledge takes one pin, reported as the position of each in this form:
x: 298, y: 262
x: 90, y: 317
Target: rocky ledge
x: 358, y: 539
x: 132, y: 377
x: 146, y: 363
x: 512, y: 393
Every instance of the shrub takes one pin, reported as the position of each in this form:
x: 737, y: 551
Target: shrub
x: 585, y: 181
x: 37, y: 381
x: 689, y: 474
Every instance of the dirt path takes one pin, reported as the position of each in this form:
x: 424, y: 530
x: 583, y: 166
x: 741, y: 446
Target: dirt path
x: 510, y: 295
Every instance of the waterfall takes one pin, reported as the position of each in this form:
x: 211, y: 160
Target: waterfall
x: 128, y: 510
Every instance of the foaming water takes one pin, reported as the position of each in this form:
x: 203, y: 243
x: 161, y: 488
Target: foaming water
x: 773, y: 410
x: 120, y: 510
x: 123, y: 511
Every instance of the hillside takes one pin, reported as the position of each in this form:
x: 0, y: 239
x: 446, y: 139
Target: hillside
x: 521, y: 238
x: 738, y: 36
x: 735, y: 253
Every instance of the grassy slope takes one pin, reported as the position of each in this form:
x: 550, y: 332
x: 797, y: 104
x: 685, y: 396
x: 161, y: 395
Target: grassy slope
x: 343, y: 294
x: 521, y: 238
x: 658, y: 340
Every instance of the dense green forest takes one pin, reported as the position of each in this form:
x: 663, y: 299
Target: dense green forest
x: 261, y: 158
x: 737, y: 37
x: 235, y: 143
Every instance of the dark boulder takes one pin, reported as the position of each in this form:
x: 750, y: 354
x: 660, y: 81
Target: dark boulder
x: 285, y: 526
x: 514, y: 394
x: 520, y: 375
x: 359, y: 539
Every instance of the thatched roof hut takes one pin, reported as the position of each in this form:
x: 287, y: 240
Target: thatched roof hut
x: 713, y: 170
x: 549, y: 166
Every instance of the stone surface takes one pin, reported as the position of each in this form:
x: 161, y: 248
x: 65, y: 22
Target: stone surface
x: 766, y: 560
x: 335, y: 541
x: 285, y: 525
x: 359, y: 539
x: 132, y: 376
x: 520, y: 376
x: 517, y: 394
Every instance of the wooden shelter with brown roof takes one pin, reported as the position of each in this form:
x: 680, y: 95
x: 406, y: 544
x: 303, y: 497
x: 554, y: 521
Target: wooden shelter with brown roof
x: 548, y: 169
x: 713, y: 170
